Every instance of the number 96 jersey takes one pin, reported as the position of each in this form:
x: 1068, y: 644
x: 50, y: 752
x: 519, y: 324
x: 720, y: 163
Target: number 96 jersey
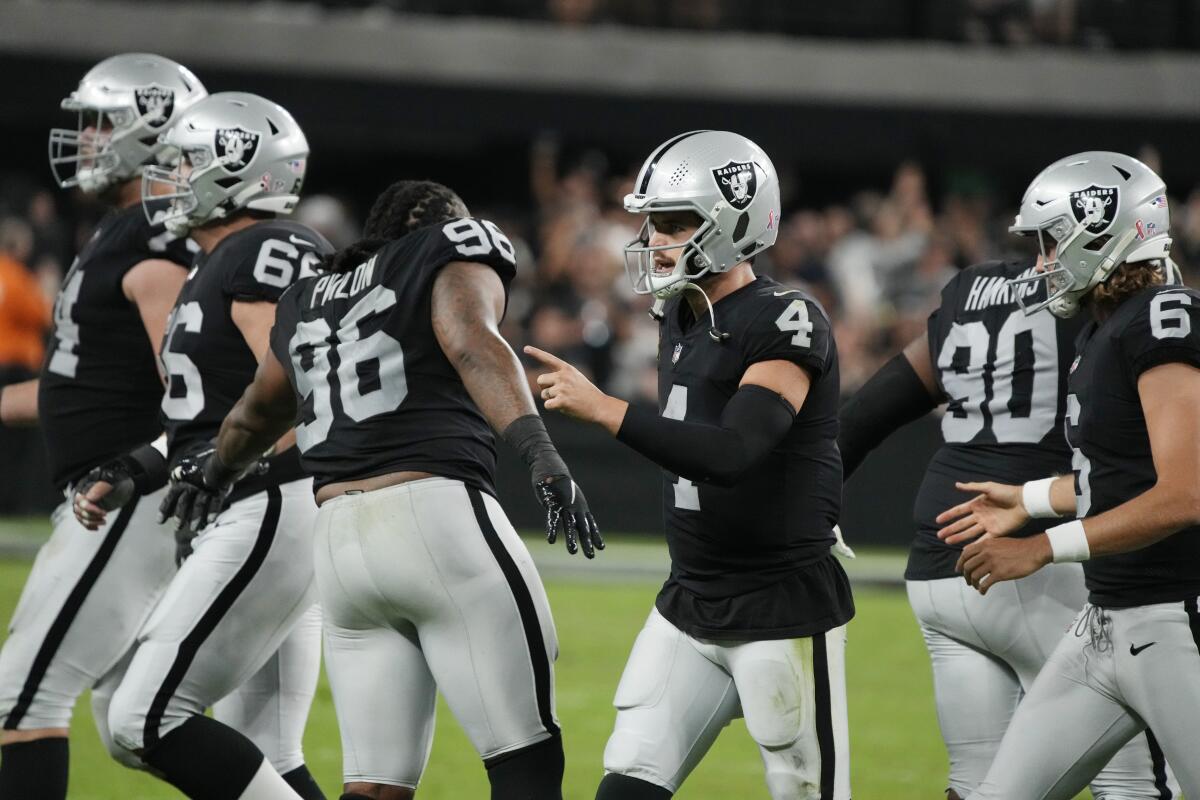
x: 205, y: 356
x: 1003, y: 375
x: 375, y: 392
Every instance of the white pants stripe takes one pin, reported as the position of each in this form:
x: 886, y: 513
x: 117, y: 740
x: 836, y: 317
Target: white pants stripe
x: 678, y: 692
x: 425, y: 586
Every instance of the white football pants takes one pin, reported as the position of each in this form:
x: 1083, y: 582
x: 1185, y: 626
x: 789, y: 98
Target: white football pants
x: 425, y: 586
x: 986, y: 651
x: 678, y: 692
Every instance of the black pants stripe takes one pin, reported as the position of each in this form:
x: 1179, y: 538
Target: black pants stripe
x: 821, y: 696
x: 538, y: 657
x: 210, y: 619
x: 1158, y: 763
x: 62, y: 623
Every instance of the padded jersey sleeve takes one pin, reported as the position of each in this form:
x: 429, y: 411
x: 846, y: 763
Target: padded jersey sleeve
x: 1166, y: 329
x: 263, y: 262
x: 791, y: 328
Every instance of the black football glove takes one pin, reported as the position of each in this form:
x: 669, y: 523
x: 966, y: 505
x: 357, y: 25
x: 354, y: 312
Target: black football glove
x: 564, y: 501
x: 139, y: 471
x: 118, y: 473
x: 200, y: 482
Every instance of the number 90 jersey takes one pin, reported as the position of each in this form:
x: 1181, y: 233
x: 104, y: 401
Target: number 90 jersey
x: 375, y: 392
x: 205, y: 356
x: 753, y: 561
x: 1112, y: 458
x: 1003, y: 375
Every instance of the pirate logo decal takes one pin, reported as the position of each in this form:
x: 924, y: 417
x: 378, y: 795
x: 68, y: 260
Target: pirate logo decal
x: 738, y: 182
x: 1095, y: 207
x: 155, y: 104
x: 235, y: 148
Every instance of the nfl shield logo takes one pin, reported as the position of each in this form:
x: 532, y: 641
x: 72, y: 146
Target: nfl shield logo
x: 155, y: 103
x: 235, y: 148
x: 675, y: 355
x: 738, y: 182
x: 1096, y: 207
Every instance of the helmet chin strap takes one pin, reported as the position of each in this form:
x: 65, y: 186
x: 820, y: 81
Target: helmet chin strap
x: 714, y: 333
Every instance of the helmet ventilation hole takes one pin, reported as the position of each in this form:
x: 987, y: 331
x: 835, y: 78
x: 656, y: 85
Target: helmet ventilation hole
x: 1097, y: 244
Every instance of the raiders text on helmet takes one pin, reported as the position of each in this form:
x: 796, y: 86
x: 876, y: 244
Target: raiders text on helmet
x: 1100, y: 210
x: 725, y: 179
x: 123, y: 104
x: 230, y: 152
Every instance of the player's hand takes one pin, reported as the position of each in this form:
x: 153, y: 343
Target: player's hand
x: 566, y: 390
x: 988, y: 561
x: 996, y: 510
x: 198, y: 488
x: 105, y: 488
x: 564, y: 503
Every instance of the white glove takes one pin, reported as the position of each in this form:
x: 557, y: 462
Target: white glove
x: 840, y: 547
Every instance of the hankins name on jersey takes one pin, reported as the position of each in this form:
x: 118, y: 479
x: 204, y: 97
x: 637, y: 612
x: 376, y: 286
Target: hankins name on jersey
x: 988, y: 291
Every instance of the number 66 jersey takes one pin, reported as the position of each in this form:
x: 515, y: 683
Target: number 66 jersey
x: 1004, y: 376
x: 374, y: 390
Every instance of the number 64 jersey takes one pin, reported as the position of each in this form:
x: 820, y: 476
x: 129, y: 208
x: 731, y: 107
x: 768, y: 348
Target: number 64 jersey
x: 375, y: 392
x: 1004, y: 376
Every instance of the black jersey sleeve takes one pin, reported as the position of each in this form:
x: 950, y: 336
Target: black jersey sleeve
x: 164, y: 244
x: 1165, y: 330
x: 478, y: 241
x: 287, y: 316
x: 267, y: 262
x: 791, y: 328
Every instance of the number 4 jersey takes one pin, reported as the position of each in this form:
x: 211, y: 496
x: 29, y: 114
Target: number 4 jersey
x: 205, y: 355
x: 376, y: 394
x: 753, y: 561
x: 99, y: 390
x: 1004, y: 376
x: 1113, y: 462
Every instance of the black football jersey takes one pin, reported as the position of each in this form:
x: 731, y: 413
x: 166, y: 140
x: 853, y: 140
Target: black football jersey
x: 99, y: 390
x: 753, y: 561
x: 375, y: 392
x: 205, y: 356
x: 1112, y: 459
x: 1003, y: 375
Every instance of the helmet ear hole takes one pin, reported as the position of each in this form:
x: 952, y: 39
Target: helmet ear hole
x: 1097, y: 244
x: 739, y: 230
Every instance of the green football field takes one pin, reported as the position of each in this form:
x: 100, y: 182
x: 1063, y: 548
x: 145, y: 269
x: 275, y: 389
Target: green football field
x: 895, y: 749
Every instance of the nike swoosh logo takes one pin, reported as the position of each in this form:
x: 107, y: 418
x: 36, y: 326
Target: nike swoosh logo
x: 789, y: 291
x: 296, y: 240
x: 1133, y: 651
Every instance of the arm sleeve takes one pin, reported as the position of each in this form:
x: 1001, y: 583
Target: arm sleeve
x: 753, y: 423
x: 792, y: 328
x: 892, y: 398
x: 1166, y: 330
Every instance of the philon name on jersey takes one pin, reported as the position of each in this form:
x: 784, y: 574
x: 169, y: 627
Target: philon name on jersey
x: 995, y: 290
x: 331, y: 287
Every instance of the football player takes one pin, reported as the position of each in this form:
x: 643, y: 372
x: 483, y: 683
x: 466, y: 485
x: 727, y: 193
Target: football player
x: 234, y: 163
x: 1131, y: 660
x: 751, y: 621
x: 96, y: 400
x: 1004, y: 377
x: 395, y: 364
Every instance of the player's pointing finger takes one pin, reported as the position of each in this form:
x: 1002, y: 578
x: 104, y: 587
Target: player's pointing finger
x: 549, y: 359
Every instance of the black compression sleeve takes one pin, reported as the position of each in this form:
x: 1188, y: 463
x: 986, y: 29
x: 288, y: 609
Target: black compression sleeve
x: 892, y: 398
x: 754, y: 422
x: 147, y: 467
x: 527, y: 435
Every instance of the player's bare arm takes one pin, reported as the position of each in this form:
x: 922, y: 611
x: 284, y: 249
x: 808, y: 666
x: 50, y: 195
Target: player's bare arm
x: 254, y: 320
x: 754, y: 422
x: 18, y: 403
x: 152, y: 286
x: 265, y: 413
x: 467, y: 304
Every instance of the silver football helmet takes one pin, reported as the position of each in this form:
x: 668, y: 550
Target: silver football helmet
x: 724, y: 178
x: 1099, y: 210
x: 122, y: 105
x: 229, y: 152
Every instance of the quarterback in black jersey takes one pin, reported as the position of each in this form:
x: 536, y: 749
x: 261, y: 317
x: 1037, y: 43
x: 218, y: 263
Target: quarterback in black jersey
x: 1003, y: 376
x: 393, y: 370
x: 238, y: 629
x: 751, y: 620
x: 1132, y: 659
x: 96, y: 399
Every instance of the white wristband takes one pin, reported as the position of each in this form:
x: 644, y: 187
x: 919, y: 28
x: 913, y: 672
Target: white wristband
x: 1035, y: 496
x: 160, y: 444
x: 1068, y: 542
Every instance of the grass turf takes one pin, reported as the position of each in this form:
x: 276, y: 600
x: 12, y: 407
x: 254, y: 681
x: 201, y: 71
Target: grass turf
x: 895, y: 748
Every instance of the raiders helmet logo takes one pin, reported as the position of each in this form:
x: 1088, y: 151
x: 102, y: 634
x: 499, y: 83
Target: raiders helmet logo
x: 738, y: 182
x: 155, y: 104
x: 1095, y: 207
x: 235, y: 148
